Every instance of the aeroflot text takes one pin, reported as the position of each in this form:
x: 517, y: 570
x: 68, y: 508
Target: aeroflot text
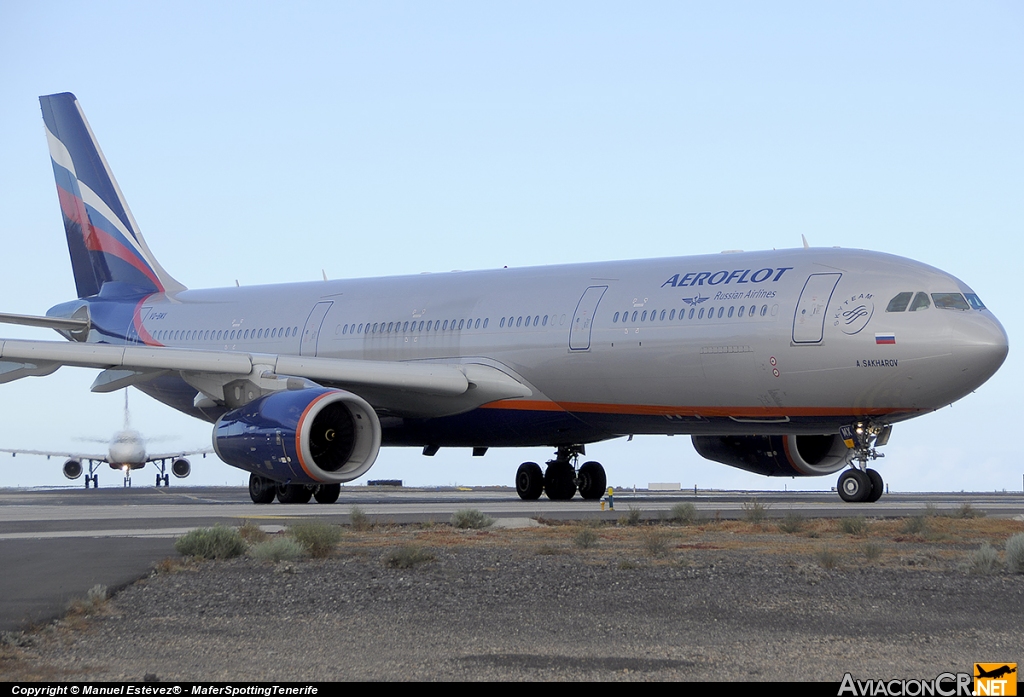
x: 714, y: 278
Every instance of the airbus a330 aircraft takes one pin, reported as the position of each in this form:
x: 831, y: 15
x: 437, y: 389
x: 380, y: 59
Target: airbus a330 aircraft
x: 126, y: 452
x: 790, y: 362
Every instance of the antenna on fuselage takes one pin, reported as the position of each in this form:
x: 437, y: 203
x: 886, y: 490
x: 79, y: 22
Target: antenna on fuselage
x: 127, y: 416
x: 806, y: 246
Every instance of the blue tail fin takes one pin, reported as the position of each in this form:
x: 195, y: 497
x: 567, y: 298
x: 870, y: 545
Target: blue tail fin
x: 103, y: 238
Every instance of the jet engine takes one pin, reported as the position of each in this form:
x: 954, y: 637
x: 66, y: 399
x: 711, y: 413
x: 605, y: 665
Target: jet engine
x: 72, y: 469
x: 311, y: 436
x: 181, y: 468
x: 777, y: 456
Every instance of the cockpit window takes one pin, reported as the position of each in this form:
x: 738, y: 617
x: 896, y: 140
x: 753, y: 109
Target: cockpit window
x: 920, y: 302
x: 975, y: 301
x: 900, y: 302
x: 950, y: 301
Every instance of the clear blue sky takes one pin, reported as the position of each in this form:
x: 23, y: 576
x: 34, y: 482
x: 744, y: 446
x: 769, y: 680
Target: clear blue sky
x: 265, y: 142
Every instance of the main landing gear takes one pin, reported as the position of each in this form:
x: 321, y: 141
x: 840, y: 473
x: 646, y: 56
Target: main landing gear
x: 561, y: 480
x: 859, y: 484
x: 264, y: 490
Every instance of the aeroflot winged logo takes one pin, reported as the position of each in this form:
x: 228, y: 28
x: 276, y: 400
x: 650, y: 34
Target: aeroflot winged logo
x: 715, y: 278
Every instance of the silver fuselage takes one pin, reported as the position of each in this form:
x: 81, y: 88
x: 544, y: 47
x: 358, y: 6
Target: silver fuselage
x: 627, y: 347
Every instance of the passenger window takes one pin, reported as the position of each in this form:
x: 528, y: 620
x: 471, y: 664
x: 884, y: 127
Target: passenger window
x: 691, y: 313
x: 672, y: 315
x: 920, y: 302
x: 501, y: 324
x: 536, y: 320
x: 764, y: 310
x: 643, y: 317
x: 740, y: 312
x: 721, y: 311
x: 462, y: 323
x: 486, y: 320
x: 634, y: 316
x: 950, y: 301
x: 731, y: 308
x: 544, y: 321
x: 700, y: 315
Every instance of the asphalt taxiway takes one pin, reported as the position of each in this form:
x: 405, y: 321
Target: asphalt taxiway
x: 56, y: 544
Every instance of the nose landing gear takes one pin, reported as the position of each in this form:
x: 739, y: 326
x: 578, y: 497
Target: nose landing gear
x: 561, y: 480
x: 859, y: 484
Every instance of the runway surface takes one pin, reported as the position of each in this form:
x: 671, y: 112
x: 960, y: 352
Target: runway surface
x: 56, y: 544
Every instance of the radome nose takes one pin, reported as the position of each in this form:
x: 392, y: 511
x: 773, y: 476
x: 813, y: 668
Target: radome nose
x: 982, y: 342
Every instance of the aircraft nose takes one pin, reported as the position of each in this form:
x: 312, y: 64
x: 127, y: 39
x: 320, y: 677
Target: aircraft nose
x: 981, y: 342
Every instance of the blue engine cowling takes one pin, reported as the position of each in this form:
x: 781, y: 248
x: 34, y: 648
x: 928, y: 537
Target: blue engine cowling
x: 777, y: 456
x: 310, y: 436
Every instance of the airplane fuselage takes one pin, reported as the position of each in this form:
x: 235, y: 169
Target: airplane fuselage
x: 778, y: 342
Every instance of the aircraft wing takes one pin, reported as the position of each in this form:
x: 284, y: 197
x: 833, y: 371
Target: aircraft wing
x: 409, y: 388
x: 156, y: 457
x: 49, y: 453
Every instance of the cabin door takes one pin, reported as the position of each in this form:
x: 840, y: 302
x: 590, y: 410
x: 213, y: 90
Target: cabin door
x: 583, y: 318
x: 809, y: 320
x: 311, y: 332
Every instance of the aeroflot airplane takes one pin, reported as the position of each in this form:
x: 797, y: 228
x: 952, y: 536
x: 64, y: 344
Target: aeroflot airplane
x: 790, y: 362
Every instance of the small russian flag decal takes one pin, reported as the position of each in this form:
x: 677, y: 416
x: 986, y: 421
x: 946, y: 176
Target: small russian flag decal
x: 885, y: 338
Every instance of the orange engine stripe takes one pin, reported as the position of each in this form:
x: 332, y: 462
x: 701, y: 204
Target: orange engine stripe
x: 298, y: 434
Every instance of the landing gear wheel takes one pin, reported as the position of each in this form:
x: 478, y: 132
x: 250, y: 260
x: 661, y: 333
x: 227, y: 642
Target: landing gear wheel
x: 877, y: 486
x: 591, y: 481
x: 529, y: 481
x: 327, y: 493
x: 560, y: 481
x: 261, y: 489
x: 854, y: 486
x: 294, y: 493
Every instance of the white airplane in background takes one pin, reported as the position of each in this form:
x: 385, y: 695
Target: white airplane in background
x: 790, y: 362
x: 126, y: 452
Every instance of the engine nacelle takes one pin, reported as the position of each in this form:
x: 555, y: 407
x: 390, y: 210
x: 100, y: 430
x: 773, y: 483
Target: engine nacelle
x: 72, y: 469
x: 311, y: 436
x: 777, y: 456
x: 181, y: 468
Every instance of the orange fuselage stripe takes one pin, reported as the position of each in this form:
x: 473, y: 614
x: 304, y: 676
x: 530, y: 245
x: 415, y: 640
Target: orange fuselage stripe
x: 658, y: 410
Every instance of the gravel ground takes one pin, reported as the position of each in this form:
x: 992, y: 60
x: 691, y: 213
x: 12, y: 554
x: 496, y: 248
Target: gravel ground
x: 733, y: 601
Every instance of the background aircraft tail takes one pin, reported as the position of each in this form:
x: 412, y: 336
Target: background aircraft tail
x: 103, y: 237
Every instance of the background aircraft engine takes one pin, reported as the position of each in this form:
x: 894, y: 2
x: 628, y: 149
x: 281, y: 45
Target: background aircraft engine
x: 181, y: 468
x: 72, y: 469
x: 777, y: 456
x: 312, y: 436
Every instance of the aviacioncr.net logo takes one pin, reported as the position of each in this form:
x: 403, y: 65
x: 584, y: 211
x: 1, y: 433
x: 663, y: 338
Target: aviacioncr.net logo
x: 944, y: 685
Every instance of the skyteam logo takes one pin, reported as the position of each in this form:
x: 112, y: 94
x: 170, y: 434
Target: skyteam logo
x: 854, y: 313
